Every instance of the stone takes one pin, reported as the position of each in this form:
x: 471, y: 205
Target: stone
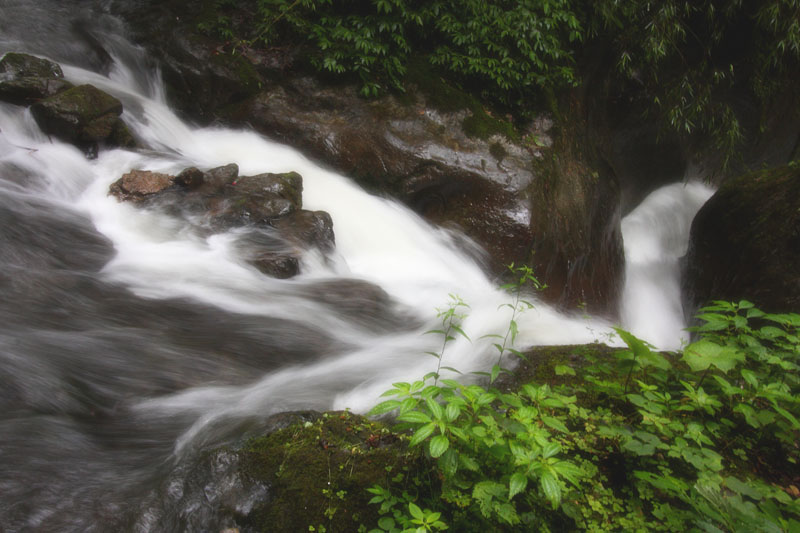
x: 25, y: 79
x: 138, y: 185
x: 83, y: 115
x: 745, y: 243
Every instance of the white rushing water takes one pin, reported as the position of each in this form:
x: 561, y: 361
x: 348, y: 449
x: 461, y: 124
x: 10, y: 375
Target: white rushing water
x: 169, y: 338
x: 656, y: 236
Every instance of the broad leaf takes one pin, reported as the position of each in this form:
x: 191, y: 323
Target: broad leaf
x: 438, y: 445
x: 703, y: 354
x: 517, y: 484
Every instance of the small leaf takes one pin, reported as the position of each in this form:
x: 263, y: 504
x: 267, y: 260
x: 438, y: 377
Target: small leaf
x: 422, y: 433
x: 551, y: 488
x: 438, y: 445
x: 415, y: 417
x: 517, y: 484
x: 555, y: 423
x: 564, y: 370
x: 384, y: 407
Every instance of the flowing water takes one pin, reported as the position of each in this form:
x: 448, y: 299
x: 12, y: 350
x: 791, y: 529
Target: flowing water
x: 129, y: 339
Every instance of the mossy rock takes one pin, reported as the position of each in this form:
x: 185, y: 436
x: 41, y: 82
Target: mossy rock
x: 318, y: 472
x: 25, y: 79
x: 83, y: 115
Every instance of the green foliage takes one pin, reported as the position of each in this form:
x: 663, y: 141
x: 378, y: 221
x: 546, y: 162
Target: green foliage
x: 692, y: 58
x: 703, y: 440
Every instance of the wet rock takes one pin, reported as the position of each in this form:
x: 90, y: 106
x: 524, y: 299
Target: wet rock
x: 260, y: 199
x: 25, y: 79
x: 745, y: 243
x: 83, y: 115
x: 277, y: 264
x: 191, y: 178
x: 284, y: 479
x: 138, y: 185
x: 269, y: 205
x: 308, y: 228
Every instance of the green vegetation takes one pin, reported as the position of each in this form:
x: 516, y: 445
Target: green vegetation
x: 685, y: 62
x: 702, y: 440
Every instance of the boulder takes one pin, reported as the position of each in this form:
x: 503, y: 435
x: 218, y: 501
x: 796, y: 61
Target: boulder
x: 745, y: 243
x: 26, y: 79
x: 85, y: 116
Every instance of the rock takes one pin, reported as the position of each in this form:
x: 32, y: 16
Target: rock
x: 308, y: 229
x: 83, y: 115
x: 259, y: 199
x: 192, y: 177
x: 745, y: 243
x: 287, y: 479
x: 269, y: 205
x: 25, y: 79
x: 278, y: 265
x: 138, y: 185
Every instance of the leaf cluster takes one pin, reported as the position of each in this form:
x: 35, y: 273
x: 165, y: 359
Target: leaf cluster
x: 701, y: 440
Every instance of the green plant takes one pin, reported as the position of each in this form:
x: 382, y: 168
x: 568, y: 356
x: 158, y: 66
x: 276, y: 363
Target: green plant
x: 702, y: 440
x: 522, y: 277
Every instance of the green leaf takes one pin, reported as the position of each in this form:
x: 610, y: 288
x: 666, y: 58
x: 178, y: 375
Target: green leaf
x: 386, y: 523
x: 703, y: 354
x: 551, y: 488
x: 415, y: 511
x: 517, y: 484
x: 555, y: 423
x: 435, y: 408
x: 550, y: 449
x: 416, y: 417
x: 422, y: 433
x: 564, y: 370
x: 384, y: 407
x: 438, y: 445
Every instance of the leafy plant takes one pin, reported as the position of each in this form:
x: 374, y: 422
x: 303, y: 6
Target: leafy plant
x: 703, y: 440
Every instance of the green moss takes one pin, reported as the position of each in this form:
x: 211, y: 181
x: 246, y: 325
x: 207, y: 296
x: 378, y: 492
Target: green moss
x: 480, y: 125
x: 243, y: 69
x: 318, y: 472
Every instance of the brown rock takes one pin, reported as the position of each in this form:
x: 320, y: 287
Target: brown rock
x: 138, y: 185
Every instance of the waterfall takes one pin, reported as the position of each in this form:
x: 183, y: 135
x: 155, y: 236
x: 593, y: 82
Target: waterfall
x: 129, y: 339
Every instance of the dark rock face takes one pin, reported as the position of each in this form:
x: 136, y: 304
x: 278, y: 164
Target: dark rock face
x: 25, y: 79
x: 270, y: 205
x: 745, y: 243
x: 83, y: 115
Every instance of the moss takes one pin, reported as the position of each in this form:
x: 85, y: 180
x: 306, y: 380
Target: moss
x: 318, y: 472
x: 243, y: 69
x: 481, y: 125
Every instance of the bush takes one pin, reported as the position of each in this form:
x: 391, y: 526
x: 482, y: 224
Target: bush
x: 702, y: 440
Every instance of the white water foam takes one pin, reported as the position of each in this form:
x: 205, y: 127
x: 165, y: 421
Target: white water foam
x: 656, y: 236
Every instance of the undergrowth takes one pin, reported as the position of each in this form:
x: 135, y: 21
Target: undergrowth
x: 705, y: 439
